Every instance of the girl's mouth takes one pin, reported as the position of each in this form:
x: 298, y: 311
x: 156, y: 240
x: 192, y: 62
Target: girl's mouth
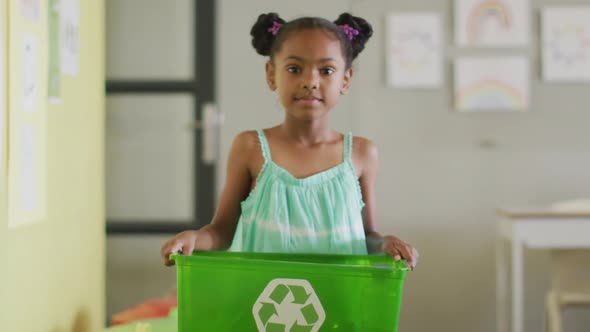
x: 308, y: 99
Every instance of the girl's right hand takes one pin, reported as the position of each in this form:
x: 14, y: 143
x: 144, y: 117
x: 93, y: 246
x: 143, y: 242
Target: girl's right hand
x: 183, y: 243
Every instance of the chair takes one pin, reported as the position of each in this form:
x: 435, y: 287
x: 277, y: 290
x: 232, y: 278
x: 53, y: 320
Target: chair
x: 570, y: 285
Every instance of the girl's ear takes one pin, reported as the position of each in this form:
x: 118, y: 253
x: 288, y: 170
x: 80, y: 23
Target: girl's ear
x: 346, y: 81
x: 270, y: 76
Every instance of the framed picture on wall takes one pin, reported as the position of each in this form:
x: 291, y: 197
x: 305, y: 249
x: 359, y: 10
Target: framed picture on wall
x: 493, y: 23
x: 566, y: 43
x: 414, y: 58
x: 491, y: 83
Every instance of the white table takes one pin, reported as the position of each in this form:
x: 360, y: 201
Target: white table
x: 536, y: 229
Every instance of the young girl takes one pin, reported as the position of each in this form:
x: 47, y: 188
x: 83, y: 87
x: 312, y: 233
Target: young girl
x: 300, y: 186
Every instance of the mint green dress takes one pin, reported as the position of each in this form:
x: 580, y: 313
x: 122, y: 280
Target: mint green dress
x: 317, y: 214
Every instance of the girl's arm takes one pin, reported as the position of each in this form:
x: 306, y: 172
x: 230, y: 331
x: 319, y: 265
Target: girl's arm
x: 366, y: 157
x: 221, y: 231
x: 218, y: 235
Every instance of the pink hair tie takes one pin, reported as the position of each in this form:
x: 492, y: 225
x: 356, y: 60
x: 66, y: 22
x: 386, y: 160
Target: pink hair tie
x: 349, y: 31
x: 274, y: 29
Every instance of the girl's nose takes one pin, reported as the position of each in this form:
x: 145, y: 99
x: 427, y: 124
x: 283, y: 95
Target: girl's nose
x: 310, y: 81
x: 311, y: 86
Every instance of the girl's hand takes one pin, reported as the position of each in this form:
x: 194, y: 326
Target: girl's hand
x: 184, y: 243
x: 399, y: 249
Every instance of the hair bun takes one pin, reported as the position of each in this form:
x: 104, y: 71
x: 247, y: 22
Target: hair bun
x: 364, y: 28
x: 262, y: 39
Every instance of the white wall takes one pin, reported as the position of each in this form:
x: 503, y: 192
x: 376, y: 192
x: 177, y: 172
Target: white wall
x: 442, y: 173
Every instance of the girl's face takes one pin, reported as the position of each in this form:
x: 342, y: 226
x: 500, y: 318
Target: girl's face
x: 309, y: 74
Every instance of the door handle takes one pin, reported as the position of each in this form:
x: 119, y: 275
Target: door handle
x: 211, y: 121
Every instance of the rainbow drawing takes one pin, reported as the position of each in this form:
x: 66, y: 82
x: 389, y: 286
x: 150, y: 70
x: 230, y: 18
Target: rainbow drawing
x: 490, y: 94
x: 485, y: 9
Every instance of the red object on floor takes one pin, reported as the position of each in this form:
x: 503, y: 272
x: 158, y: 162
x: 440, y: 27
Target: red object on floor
x: 154, y: 308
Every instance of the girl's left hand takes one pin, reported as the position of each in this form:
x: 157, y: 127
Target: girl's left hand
x: 399, y: 249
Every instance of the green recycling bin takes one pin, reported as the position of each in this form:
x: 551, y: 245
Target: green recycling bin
x: 270, y: 292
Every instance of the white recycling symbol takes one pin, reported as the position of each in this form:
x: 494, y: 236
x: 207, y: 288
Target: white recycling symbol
x: 288, y: 305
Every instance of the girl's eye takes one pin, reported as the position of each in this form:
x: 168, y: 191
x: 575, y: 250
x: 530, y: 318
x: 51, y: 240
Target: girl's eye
x: 293, y: 69
x: 327, y: 71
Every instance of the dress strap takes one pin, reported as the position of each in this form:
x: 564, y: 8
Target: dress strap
x: 347, y: 146
x: 264, y: 145
x: 348, y: 161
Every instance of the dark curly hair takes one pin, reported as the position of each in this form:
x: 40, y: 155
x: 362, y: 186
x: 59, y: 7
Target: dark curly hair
x: 266, y: 43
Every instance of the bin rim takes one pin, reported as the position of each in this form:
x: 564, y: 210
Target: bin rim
x: 383, y: 265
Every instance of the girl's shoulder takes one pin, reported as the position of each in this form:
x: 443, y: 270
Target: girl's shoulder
x: 247, y: 143
x: 246, y: 149
x: 364, y: 155
x: 363, y: 147
x: 247, y: 139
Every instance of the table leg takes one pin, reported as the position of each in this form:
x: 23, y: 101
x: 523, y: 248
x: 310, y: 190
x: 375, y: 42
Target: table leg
x: 501, y: 285
x: 517, y: 285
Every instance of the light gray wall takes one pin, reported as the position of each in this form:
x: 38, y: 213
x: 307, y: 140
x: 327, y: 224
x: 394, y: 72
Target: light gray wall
x: 442, y: 173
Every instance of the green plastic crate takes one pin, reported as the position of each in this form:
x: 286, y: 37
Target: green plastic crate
x: 267, y: 292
